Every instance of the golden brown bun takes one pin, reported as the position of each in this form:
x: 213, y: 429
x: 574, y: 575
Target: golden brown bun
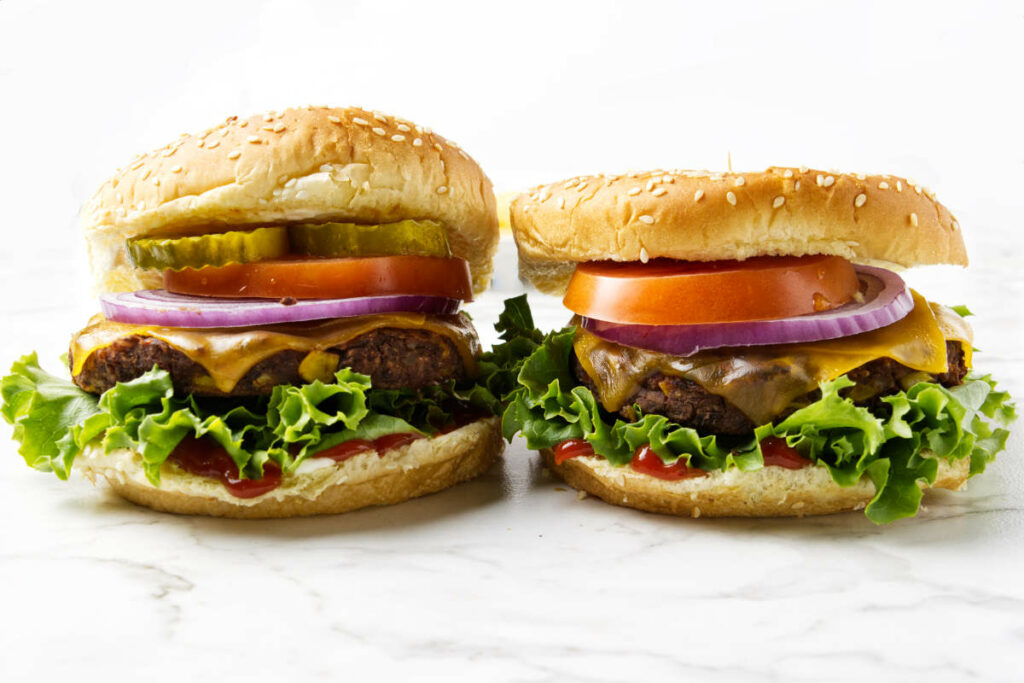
x: 307, y: 164
x: 422, y: 467
x: 769, y: 492
x: 701, y: 216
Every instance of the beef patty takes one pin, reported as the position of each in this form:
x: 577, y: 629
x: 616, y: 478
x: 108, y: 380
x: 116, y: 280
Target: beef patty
x: 690, y: 405
x: 392, y: 357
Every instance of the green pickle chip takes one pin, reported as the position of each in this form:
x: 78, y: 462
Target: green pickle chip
x: 214, y: 249
x: 408, y: 237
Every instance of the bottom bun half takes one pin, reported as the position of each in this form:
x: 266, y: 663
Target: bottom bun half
x: 320, y: 486
x: 768, y: 492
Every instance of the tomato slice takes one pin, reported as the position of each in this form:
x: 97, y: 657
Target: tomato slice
x: 335, y: 278
x: 665, y: 292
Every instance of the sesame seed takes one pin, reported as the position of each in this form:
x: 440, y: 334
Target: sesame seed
x: 644, y: 218
x: 561, y: 202
x: 360, y: 121
x: 243, y: 124
x: 883, y: 185
x: 580, y: 188
x: 380, y: 117
x: 820, y: 179
x: 644, y: 256
x: 138, y: 164
x: 397, y: 138
x: 633, y: 192
x: 279, y: 127
x: 156, y: 181
x: 380, y: 131
x: 956, y: 226
x: 234, y: 155
x: 269, y: 129
x: 438, y: 147
x: 797, y: 186
x: 649, y: 186
x: 404, y: 128
x: 740, y: 181
x: 860, y: 200
x: 463, y: 154
x: 211, y: 145
x: 788, y: 173
x: 917, y: 189
x: 254, y: 139
x: 730, y: 197
x: 291, y: 182
x: 660, y: 191
x: 913, y: 219
x: 417, y: 142
x: 698, y: 195
x: 829, y: 181
x: 146, y: 174
x: 268, y: 117
x: 175, y: 169
x: 668, y: 179
x: 334, y: 119
x: 899, y: 186
x: 198, y: 144
x: 544, y: 195
x: 778, y: 201
x: 859, y: 176
x: 442, y: 189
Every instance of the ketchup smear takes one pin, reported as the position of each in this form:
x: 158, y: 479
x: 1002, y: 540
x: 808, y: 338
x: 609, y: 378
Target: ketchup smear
x: 347, y: 449
x: 571, y: 448
x: 780, y: 454
x: 206, y: 458
x: 646, y: 461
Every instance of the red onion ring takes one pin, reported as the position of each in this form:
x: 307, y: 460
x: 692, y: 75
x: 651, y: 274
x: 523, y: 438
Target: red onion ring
x: 160, y: 307
x: 886, y: 300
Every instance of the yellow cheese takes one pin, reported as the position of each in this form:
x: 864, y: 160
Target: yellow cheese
x: 762, y: 381
x: 227, y: 354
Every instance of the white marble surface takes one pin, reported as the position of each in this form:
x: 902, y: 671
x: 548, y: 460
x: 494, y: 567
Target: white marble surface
x: 511, y: 577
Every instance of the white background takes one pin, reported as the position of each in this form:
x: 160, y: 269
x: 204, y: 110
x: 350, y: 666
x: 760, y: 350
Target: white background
x: 512, y: 578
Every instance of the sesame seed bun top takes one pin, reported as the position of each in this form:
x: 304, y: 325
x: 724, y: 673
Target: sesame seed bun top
x: 304, y: 164
x: 703, y: 216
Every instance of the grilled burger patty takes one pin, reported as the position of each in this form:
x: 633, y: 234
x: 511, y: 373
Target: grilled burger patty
x: 392, y: 357
x: 689, y: 404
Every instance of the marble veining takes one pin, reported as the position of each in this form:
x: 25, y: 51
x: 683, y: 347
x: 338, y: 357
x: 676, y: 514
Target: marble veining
x: 512, y: 576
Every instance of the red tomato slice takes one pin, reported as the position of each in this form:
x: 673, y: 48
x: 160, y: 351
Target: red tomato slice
x: 665, y: 292
x: 337, y: 278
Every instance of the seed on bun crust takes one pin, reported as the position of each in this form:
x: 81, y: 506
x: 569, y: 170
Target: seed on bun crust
x: 309, y: 164
x: 702, y: 216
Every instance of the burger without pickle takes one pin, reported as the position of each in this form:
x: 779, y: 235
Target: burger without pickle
x: 280, y: 330
x: 742, y: 344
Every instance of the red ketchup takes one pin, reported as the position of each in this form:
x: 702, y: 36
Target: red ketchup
x: 206, y: 458
x: 347, y: 449
x: 571, y: 448
x: 778, y: 453
x: 646, y: 461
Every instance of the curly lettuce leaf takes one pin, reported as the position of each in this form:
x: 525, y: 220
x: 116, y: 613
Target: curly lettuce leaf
x: 55, y: 421
x: 897, y: 449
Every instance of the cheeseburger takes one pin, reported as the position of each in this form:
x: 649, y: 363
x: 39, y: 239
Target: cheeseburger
x: 281, y: 330
x: 743, y: 345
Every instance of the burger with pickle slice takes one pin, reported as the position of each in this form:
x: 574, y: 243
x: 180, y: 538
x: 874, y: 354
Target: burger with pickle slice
x: 742, y: 344
x: 280, y: 330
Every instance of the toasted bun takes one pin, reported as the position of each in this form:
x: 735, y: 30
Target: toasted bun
x: 769, y: 492
x: 422, y: 467
x: 308, y: 164
x: 701, y: 216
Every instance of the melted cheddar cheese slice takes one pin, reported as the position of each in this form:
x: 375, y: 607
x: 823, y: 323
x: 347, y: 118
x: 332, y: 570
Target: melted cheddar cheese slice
x: 762, y: 381
x: 227, y: 354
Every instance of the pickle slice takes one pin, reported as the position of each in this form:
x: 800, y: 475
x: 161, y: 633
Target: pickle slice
x: 408, y: 237
x: 214, y: 249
